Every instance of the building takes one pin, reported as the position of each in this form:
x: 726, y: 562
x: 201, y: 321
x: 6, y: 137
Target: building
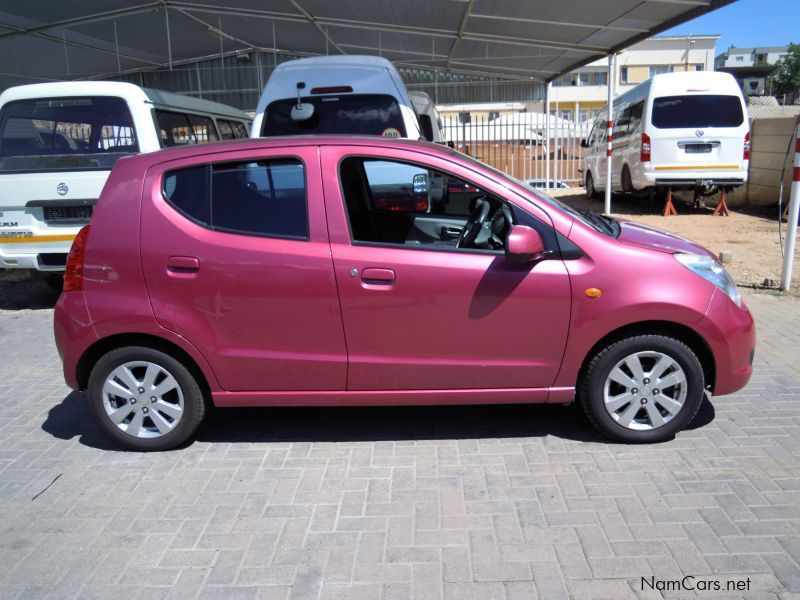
x: 581, y: 94
x: 751, y: 66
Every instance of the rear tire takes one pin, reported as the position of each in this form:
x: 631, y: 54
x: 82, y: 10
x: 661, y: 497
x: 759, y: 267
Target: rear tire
x: 627, y: 180
x: 55, y: 281
x: 642, y: 389
x: 144, y: 399
x: 591, y: 191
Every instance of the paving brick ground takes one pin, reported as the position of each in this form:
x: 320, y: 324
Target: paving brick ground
x: 460, y: 502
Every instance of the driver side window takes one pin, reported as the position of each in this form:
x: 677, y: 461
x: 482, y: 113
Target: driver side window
x: 400, y: 203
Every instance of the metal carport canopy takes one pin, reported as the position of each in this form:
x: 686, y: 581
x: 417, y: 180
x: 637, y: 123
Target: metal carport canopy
x: 44, y: 40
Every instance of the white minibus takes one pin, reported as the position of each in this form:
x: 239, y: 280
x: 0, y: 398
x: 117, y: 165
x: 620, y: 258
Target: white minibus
x: 429, y: 120
x: 58, y: 142
x: 687, y: 131
x: 336, y: 94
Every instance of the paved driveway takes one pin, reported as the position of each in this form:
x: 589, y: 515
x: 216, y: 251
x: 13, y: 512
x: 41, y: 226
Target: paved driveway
x: 459, y: 502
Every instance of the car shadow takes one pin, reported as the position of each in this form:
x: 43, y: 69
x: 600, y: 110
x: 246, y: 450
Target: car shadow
x: 71, y: 419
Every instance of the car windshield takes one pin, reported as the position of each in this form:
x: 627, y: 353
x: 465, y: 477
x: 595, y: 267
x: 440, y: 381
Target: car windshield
x: 707, y: 110
x: 591, y: 219
x: 366, y: 114
x: 51, y: 134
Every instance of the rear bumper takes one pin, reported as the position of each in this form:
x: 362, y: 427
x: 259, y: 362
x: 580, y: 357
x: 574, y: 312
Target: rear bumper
x: 74, y: 333
x: 692, y: 178
x: 731, y: 335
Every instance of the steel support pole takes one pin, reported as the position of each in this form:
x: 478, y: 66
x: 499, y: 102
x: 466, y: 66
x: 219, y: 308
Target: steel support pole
x: 612, y: 63
x: 547, y: 136
x: 794, y: 211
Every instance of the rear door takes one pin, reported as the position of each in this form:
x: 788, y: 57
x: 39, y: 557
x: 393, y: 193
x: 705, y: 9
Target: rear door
x: 698, y: 130
x: 236, y: 258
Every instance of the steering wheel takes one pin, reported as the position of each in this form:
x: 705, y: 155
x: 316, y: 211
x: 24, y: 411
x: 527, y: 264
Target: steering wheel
x: 475, y: 223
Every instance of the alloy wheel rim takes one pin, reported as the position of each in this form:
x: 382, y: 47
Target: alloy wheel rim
x: 143, y: 399
x: 645, y: 390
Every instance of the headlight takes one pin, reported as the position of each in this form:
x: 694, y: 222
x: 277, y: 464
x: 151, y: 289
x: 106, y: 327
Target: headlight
x: 710, y: 270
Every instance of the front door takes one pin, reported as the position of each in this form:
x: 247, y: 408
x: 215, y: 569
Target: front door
x: 423, y: 307
x: 236, y: 258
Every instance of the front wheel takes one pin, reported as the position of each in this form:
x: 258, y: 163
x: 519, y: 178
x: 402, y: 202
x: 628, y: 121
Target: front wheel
x: 642, y: 389
x: 144, y: 399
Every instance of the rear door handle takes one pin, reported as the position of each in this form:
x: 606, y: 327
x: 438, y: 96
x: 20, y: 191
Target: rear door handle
x: 378, y: 276
x: 183, y: 264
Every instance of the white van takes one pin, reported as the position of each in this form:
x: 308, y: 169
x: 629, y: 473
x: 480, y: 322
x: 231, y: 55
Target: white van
x: 429, y: 120
x: 58, y: 142
x: 336, y: 94
x: 684, y: 130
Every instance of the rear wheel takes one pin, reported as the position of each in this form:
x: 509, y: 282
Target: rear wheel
x: 627, y: 180
x: 642, y: 389
x: 145, y: 399
x: 55, y: 281
x: 591, y: 191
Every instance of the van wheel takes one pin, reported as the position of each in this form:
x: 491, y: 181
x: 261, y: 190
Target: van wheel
x: 144, y: 399
x: 627, y: 181
x: 591, y: 192
x: 642, y: 389
x: 55, y: 281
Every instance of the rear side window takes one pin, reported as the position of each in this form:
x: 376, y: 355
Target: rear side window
x: 368, y: 114
x: 76, y: 133
x: 709, y: 110
x: 264, y: 198
x: 231, y: 130
x: 179, y: 129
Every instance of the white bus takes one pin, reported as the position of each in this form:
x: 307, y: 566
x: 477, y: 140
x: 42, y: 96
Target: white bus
x: 685, y: 130
x: 58, y: 142
x: 336, y: 94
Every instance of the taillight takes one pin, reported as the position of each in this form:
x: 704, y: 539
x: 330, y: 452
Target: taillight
x: 73, y: 273
x: 645, y: 148
x: 746, y: 155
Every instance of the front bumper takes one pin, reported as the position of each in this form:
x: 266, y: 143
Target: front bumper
x: 731, y: 334
x: 39, y: 255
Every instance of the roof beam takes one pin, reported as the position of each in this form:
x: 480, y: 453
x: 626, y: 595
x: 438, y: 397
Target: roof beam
x: 83, y: 20
x: 461, y: 29
x: 559, y: 23
x: 313, y: 21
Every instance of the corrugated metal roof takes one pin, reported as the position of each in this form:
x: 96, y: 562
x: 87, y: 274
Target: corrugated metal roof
x: 761, y: 111
x: 42, y: 40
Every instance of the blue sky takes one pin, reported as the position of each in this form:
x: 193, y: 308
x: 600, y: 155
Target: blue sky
x: 748, y: 23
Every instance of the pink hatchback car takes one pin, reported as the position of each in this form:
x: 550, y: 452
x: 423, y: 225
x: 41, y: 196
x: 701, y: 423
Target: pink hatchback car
x: 364, y: 271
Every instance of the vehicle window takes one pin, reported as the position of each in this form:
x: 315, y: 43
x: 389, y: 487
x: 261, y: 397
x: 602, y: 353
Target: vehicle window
x: 231, y: 130
x: 708, y: 110
x: 65, y: 133
x: 175, y: 128
x: 427, y: 127
x: 265, y: 198
x: 203, y: 128
x: 393, y: 202
x: 187, y: 190
x: 260, y: 198
x: 370, y: 114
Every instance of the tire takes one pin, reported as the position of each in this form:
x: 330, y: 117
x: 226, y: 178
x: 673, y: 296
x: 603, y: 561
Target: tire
x: 662, y: 411
x: 627, y: 181
x: 591, y: 191
x: 145, y: 424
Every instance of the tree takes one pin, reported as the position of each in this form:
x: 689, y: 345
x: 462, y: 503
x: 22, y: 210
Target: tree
x: 786, y: 78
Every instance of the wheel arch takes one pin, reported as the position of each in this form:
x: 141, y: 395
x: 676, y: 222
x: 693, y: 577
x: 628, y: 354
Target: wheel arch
x: 682, y: 333
x: 93, y: 353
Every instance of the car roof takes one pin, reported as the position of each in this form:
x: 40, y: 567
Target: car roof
x: 288, y: 141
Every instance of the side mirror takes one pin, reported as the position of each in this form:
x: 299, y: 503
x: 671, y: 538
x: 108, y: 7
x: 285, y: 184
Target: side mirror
x: 584, y: 143
x: 524, y: 244
x: 420, y: 183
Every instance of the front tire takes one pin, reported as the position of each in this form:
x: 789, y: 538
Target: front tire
x: 145, y: 399
x: 642, y: 389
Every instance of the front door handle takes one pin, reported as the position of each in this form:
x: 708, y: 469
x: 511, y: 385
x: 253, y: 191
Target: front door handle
x: 378, y: 276
x: 183, y: 264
